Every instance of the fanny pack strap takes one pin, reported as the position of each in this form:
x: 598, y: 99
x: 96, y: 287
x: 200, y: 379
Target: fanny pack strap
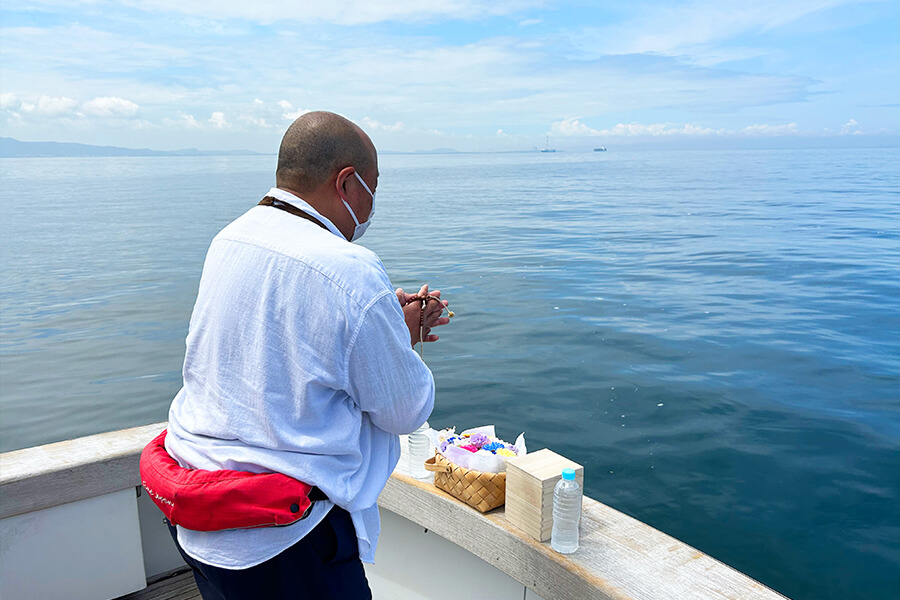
x: 315, y: 494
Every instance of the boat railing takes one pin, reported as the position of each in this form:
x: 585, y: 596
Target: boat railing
x: 75, y: 507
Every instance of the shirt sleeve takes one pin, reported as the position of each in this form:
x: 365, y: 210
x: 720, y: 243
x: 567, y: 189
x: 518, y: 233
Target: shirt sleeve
x: 387, y: 379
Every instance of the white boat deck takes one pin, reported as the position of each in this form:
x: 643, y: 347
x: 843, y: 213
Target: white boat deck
x: 50, y: 491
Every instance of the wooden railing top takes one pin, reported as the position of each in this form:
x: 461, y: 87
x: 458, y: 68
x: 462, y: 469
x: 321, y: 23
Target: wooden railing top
x: 45, y: 476
x: 620, y: 558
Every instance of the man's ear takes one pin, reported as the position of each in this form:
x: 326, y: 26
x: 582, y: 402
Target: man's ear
x: 341, y: 180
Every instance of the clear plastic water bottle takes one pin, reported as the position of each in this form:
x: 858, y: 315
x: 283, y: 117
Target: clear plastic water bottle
x: 418, y: 446
x: 566, y: 513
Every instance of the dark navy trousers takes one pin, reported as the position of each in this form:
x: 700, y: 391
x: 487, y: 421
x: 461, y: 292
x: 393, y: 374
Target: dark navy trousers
x: 323, y: 565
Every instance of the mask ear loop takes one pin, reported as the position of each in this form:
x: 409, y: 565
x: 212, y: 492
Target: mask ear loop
x: 365, y: 185
x: 424, y: 300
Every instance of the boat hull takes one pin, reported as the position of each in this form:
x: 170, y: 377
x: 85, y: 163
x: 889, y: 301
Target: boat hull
x: 76, y: 507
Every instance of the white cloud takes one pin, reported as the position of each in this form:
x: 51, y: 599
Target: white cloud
x: 50, y: 106
x: 575, y: 128
x: 258, y: 122
x: 689, y: 129
x: 687, y: 27
x: 515, y: 75
x: 572, y: 127
x: 8, y: 100
x: 143, y: 125
x: 490, y: 80
x: 218, y: 120
x: 769, y: 130
x: 75, y: 46
x: 183, y: 121
x: 346, y: 12
x: 110, y: 107
x: 289, y: 113
x: 15, y: 120
x: 54, y: 107
x: 851, y: 127
x: 377, y: 126
x: 636, y: 129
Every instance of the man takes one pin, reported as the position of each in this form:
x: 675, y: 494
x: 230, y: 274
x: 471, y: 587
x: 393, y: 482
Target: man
x: 300, y: 361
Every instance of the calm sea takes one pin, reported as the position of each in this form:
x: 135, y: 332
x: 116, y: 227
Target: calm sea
x: 714, y: 335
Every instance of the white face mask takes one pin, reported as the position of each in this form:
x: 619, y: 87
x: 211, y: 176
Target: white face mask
x: 360, y: 228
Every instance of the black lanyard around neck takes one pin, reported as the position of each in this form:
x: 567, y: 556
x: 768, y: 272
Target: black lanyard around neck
x: 279, y: 204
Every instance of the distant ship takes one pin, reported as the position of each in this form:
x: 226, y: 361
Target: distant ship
x: 547, y: 147
x: 600, y: 149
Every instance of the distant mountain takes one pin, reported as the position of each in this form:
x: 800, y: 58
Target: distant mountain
x: 439, y: 151
x: 10, y: 148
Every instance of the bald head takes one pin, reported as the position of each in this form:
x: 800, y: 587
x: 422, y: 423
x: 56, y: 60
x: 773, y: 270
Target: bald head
x: 316, y: 146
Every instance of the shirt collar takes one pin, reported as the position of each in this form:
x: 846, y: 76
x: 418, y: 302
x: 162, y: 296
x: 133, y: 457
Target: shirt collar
x: 296, y: 201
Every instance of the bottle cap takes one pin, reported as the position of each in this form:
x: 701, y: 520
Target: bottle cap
x: 568, y: 474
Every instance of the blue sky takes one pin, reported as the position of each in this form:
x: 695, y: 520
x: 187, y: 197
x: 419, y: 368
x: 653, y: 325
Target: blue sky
x: 486, y: 75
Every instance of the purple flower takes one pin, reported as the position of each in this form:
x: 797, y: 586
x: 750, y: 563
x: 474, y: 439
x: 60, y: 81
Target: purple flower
x: 478, y: 440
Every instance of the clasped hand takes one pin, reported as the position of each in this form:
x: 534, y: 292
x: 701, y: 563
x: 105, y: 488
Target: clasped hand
x: 412, y: 313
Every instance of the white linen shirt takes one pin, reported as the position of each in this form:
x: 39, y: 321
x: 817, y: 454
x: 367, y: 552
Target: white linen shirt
x: 298, y: 361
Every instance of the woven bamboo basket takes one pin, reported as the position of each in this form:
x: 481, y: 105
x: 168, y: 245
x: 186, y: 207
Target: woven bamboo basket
x: 482, y: 491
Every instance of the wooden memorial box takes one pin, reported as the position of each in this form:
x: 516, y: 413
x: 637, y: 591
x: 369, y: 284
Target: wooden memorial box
x: 530, y: 480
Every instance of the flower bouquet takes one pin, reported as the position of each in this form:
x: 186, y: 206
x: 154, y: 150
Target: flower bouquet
x: 471, y: 466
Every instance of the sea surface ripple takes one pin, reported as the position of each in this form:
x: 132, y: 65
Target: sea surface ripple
x: 715, y: 336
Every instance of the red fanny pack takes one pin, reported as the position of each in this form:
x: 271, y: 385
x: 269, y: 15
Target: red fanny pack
x: 215, y: 500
